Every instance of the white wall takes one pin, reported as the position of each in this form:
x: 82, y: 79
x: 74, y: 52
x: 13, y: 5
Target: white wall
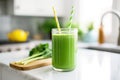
x: 68, y: 6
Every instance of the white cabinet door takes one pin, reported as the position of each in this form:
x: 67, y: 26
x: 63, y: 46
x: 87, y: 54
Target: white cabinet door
x: 38, y: 7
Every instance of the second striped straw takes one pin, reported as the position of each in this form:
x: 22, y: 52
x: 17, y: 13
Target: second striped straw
x: 71, y: 17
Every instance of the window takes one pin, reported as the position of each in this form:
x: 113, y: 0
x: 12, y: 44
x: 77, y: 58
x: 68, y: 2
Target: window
x: 92, y: 10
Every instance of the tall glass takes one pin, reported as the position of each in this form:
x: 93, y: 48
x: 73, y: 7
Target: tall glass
x: 64, y: 47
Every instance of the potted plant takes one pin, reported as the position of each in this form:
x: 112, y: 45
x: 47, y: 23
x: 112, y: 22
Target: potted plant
x: 46, y: 27
x: 90, y: 36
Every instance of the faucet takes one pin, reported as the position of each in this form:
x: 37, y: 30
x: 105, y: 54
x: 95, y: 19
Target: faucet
x: 116, y: 13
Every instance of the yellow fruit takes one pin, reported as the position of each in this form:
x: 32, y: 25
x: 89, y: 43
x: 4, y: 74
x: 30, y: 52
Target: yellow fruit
x: 18, y: 35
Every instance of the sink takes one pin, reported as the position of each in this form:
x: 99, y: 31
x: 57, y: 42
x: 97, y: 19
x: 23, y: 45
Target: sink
x: 107, y: 48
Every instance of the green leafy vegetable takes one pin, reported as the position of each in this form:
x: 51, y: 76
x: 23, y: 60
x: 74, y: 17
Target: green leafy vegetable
x: 39, y: 48
x: 41, y: 51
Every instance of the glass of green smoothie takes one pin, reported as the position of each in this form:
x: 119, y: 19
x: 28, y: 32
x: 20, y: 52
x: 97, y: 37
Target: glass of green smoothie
x: 64, y: 47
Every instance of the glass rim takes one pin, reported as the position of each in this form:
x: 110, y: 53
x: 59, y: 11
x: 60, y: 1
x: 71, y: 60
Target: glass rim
x: 64, y: 28
x: 56, y: 29
x: 68, y: 30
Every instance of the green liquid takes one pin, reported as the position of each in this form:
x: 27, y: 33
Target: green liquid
x: 64, y: 50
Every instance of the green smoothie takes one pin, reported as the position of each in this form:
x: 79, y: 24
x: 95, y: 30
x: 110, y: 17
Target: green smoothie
x: 64, y: 50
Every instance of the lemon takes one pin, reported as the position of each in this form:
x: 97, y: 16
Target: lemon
x: 18, y: 35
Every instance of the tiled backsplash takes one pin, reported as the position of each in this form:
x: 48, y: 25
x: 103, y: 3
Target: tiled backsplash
x: 8, y: 23
x: 4, y: 26
x: 26, y: 23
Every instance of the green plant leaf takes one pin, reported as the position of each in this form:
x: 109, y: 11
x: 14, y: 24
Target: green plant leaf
x: 90, y: 26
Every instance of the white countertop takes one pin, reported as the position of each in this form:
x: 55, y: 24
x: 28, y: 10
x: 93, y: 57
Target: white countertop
x: 27, y: 46
x: 91, y: 65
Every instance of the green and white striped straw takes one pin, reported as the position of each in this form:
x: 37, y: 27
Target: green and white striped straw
x: 71, y: 17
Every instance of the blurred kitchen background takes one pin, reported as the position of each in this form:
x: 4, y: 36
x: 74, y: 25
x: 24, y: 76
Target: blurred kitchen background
x: 29, y: 15
x: 36, y: 17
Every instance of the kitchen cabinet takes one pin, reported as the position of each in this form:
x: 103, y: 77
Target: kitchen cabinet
x: 35, y: 7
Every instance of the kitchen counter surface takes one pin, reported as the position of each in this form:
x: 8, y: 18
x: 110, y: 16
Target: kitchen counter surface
x: 109, y: 47
x: 91, y: 65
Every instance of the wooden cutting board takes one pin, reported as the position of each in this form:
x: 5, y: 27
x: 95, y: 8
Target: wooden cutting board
x: 32, y: 65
